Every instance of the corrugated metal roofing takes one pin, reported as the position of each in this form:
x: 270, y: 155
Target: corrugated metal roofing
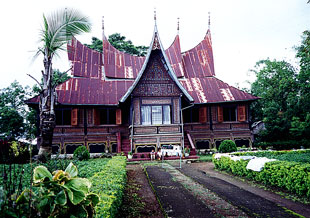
x: 92, y: 91
x: 212, y: 90
x: 106, y: 81
x: 198, y: 61
x: 175, y: 57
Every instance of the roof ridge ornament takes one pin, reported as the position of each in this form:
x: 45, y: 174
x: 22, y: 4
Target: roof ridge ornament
x: 209, y: 22
x: 102, y: 26
x: 178, y: 27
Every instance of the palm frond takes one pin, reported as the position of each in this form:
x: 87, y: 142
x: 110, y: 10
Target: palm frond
x: 60, y: 27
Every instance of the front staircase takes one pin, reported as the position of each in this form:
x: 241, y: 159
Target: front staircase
x: 145, y: 156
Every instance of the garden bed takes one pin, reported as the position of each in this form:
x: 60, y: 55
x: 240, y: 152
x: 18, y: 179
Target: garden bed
x: 290, y: 175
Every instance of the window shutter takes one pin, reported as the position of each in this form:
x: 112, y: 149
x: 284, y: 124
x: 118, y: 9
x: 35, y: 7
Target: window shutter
x: 203, y: 115
x: 74, y: 117
x: 118, y: 116
x: 96, y: 113
x: 241, y: 113
x: 220, y: 114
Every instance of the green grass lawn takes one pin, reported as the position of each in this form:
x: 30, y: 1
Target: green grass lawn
x: 205, y: 157
x: 22, y: 172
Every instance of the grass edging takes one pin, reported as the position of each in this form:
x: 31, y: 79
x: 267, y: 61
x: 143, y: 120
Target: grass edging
x: 109, y: 184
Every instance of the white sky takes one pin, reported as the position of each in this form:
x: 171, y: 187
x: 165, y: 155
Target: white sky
x: 243, y: 31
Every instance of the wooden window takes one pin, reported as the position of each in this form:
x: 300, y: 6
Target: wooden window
x: 229, y: 113
x: 96, y: 117
x: 241, y: 113
x: 74, y: 117
x: 220, y: 114
x: 155, y: 114
x: 203, y: 115
x: 118, y: 116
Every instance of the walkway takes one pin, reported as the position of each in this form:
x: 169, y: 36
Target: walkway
x: 196, y: 190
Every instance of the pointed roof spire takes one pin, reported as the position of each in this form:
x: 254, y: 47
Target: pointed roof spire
x: 155, y: 15
x: 209, y: 22
x: 102, y: 25
x: 178, y: 28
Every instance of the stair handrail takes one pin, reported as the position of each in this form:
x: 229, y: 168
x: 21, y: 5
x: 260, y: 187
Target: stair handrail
x: 190, y: 140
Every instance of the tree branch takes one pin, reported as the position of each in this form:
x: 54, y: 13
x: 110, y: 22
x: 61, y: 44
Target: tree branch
x: 36, y: 81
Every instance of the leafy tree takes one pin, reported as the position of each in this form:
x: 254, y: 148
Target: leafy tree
x: 57, y: 30
x: 12, y: 110
x: 96, y: 44
x: 119, y: 42
x: 276, y: 84
x: 285, y: 98
x: 15, y: 118
x: 59, y: 77
x: 303, y: 54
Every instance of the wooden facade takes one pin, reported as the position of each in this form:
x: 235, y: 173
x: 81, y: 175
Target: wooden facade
x: 142, y: 103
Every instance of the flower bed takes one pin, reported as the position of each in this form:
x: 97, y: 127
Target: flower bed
x: 109, y: 184
x: 292, y: 176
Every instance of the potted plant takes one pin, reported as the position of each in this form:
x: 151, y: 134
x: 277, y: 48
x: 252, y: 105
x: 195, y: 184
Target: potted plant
x: 187, y: 151
x: 129, y: 155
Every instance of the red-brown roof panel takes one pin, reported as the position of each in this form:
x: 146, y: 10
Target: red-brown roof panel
x: 198, y: 61
x: 83, y: 59
x: 211, y: 90
x: 175, y: 57
x: 119, y: 64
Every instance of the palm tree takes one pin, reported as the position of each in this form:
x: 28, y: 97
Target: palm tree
x: 58, y: 30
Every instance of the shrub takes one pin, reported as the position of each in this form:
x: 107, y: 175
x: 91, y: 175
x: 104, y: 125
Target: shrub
x: 292, y: 176
x: 81, y: 153
x: 227, y: 146
x: 110, y: 184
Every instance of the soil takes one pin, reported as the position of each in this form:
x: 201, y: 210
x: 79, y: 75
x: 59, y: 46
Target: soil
x: 197, y: 190
x: 139, y: 199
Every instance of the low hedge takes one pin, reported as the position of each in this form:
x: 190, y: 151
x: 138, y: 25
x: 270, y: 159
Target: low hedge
x: 292, y: 176
x: 109, y: 184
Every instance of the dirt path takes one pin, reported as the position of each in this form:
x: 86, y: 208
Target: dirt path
x: 208, y: 169
x: 175, y: 199
x: 196, y: 190
x: 139, y: 199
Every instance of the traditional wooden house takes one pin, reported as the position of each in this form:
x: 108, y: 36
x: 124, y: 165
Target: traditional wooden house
x: 118, y: 102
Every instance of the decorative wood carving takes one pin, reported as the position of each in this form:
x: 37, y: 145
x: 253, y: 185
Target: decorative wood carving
x: 145, y: 130
x: 136, y: 108
x: 156, y: 101
x: 156, y: 80
x: 176, y: 110
x: 169, y: 129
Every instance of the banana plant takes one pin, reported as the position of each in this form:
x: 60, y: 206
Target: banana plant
x: 59, y: 194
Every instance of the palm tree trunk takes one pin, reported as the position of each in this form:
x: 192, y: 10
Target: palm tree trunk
x: 47, y: 113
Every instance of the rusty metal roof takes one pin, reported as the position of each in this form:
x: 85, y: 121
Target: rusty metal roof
x: 106, y: 81
x: 212, y: 90
x: 119, y: 64
x: 198, y: 61
x: 88, y: 91
x: 175, y: 57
